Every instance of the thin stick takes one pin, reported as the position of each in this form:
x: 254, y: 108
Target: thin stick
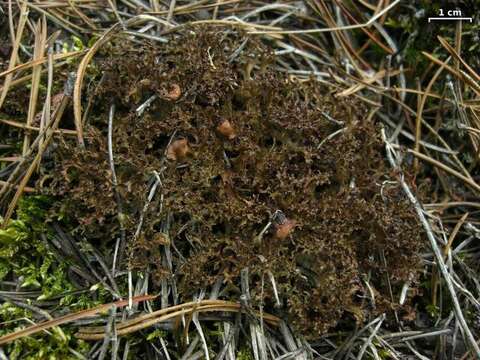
x: 120, y: 216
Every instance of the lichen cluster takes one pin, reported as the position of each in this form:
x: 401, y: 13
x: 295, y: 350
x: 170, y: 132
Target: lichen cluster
x: 238, y: 145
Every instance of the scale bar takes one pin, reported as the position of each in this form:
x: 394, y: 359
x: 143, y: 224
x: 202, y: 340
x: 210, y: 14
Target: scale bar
x: 450, y: 18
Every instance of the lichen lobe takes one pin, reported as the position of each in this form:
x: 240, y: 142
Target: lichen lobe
x: 234, y: 143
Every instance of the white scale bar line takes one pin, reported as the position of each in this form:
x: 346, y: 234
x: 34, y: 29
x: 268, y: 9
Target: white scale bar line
x: 450, y: 18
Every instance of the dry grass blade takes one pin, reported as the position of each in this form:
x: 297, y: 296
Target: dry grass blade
x: 192, y: 306
x: 14, y: 55
x: 435, y: 133
x: 371, y: 36
x: 454, y: 233
x: 55, y: 17
x: 344, y: 40
x: 38, y: 53
x: 366, y: 82
x: 82, y: 15
x: 461, y: 75
x: 144, y: 321
x: 188, y: 8
x: 69, y: 318
x: 468, y: 181
x: 82, y: 68
x: 447, y: 248
x: 330, y: 29
x: 11, y: 186
x: 115, y: 11
x: 47, y: 106
x: 420, y: 108
x: 26, y: 78
x: 49, y: 134
x: 37, y: 129
x: 455, y: 54
x: 40, y: 61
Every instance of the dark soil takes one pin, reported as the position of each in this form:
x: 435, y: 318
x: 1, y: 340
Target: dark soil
x: 236, y: 145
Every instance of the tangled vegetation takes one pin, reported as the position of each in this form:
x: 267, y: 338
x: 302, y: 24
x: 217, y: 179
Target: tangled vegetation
x: 236, y: 146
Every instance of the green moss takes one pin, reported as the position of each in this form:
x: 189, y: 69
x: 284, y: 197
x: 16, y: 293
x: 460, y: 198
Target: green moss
x: 244, y: 354
x: 54, y: 345
x: 25, y: 257
x: 156, y: 334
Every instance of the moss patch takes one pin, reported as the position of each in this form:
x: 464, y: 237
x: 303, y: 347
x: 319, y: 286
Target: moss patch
x: 238, y: 145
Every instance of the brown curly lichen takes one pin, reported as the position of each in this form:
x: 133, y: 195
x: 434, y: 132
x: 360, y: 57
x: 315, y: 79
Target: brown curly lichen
x: 238, y: 145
